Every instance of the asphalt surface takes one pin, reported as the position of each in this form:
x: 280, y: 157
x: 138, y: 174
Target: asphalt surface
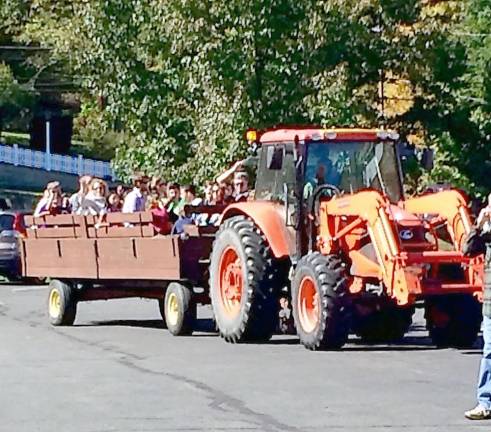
x: 117, y: 369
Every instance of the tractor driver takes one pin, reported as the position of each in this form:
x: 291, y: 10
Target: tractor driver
x: 325, y: 173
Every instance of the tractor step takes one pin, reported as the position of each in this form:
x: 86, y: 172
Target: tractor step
x: 428, y: 257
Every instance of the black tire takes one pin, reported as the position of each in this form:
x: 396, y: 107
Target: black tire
x: 162, y: 310
x: 180, y: 310
x: 255, y: 316
x: 453, y: 320
x: 331, y: 321
x: 62, y: 303
x: 388, y: 324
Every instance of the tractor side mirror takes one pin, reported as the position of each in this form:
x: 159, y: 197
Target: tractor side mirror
x: 427, y: 159
x: 275, y: 157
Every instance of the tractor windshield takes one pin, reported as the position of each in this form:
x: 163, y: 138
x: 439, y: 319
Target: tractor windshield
x: 352, y: 166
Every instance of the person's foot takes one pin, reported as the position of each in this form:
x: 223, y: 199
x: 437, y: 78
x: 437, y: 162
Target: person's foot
x: 478, y: 413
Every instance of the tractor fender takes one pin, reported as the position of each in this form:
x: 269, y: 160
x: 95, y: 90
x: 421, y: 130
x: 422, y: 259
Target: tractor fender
x: 268, y: 218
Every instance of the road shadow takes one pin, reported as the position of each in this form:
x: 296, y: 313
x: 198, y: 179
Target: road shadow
x: 156, y: 324
x: 416, y: 340
x: 201, y: 325
x: 293, y: 340
x: 10, y: 283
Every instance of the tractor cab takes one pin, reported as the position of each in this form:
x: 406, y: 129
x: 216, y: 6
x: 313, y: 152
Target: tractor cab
x: 336, y: 160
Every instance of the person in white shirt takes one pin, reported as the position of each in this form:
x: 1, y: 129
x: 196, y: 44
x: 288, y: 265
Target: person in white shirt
x: 94, y: 202
x: 77, y: 198
x: 135, y: 200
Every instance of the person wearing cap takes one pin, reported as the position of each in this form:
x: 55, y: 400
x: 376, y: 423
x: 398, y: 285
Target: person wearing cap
x: 135, y: 200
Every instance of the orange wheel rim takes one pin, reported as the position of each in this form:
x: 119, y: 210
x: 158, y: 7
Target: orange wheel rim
x: 308, y: 304
x: 231, y: 282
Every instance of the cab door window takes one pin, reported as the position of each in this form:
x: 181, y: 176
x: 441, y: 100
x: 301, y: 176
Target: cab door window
x: 276, y: 169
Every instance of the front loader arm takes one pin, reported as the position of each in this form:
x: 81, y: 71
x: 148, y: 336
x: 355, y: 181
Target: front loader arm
x: 402, y: 272
x: 451, y: 206
x: 371, y: 211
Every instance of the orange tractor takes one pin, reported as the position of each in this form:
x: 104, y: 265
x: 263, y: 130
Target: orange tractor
x: 329, y: 228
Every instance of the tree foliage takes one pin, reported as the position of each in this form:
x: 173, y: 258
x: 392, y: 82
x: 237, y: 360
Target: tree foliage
x: 15, y: 100
x: 181, y: 80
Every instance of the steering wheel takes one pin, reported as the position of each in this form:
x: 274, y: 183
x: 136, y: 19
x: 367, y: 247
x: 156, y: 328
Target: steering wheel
x: 325, y: 190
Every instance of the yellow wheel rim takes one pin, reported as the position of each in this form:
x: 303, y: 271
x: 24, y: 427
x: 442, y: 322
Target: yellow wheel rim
x: 172, y: 312
x: 54, y: 304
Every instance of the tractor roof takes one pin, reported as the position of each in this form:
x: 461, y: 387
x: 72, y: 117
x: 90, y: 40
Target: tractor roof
x: 275, y: 135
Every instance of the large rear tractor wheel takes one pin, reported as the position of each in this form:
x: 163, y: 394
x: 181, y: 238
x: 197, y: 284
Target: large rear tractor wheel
x: 179, y: 309
x: 453, y: 320
x: 243, y: 283
x: 320, y: 302
x: 62, y: 303
x: 388, y: 324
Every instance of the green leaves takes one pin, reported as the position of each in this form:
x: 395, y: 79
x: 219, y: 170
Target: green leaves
x: 15, y: 100
x: 182, y: 80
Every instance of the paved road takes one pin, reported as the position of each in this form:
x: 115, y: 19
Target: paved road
x: 118, y: 370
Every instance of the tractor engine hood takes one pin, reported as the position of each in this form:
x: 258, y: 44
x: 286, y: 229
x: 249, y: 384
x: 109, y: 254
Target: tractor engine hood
x: 404, y: 218
x: 409, y: 227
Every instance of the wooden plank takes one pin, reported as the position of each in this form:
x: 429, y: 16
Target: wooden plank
x: 23, y: 257
x: 91, y: 220
x: 31, y: 233
x: 82, y: 222
x: 143, y: 258
x: 28, y: 220
x: 38, y: 220
x: 146, y: 217
x: 115, y: 256
x: 148, y: 231
x: 123, y: 217
x: 119, y: 232
x: 81, y: 232
x: 197, y: 231
x: 70, y: 258
x: 78, y: 256
x: 60, y: 232
x: 58, y: 220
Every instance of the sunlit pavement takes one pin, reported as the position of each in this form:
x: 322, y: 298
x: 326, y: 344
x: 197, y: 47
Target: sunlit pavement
x: 117, y: 369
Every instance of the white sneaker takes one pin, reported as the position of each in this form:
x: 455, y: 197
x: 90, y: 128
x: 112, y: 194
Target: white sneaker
x: 478, y: 413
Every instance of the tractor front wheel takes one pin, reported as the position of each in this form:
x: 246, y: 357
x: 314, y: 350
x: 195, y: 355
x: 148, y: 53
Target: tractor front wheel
x: 320, y: 302
x: 453, y: 320
x: 242, y: 283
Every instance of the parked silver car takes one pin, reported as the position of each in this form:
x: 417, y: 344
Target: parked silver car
x: 9, y: 244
